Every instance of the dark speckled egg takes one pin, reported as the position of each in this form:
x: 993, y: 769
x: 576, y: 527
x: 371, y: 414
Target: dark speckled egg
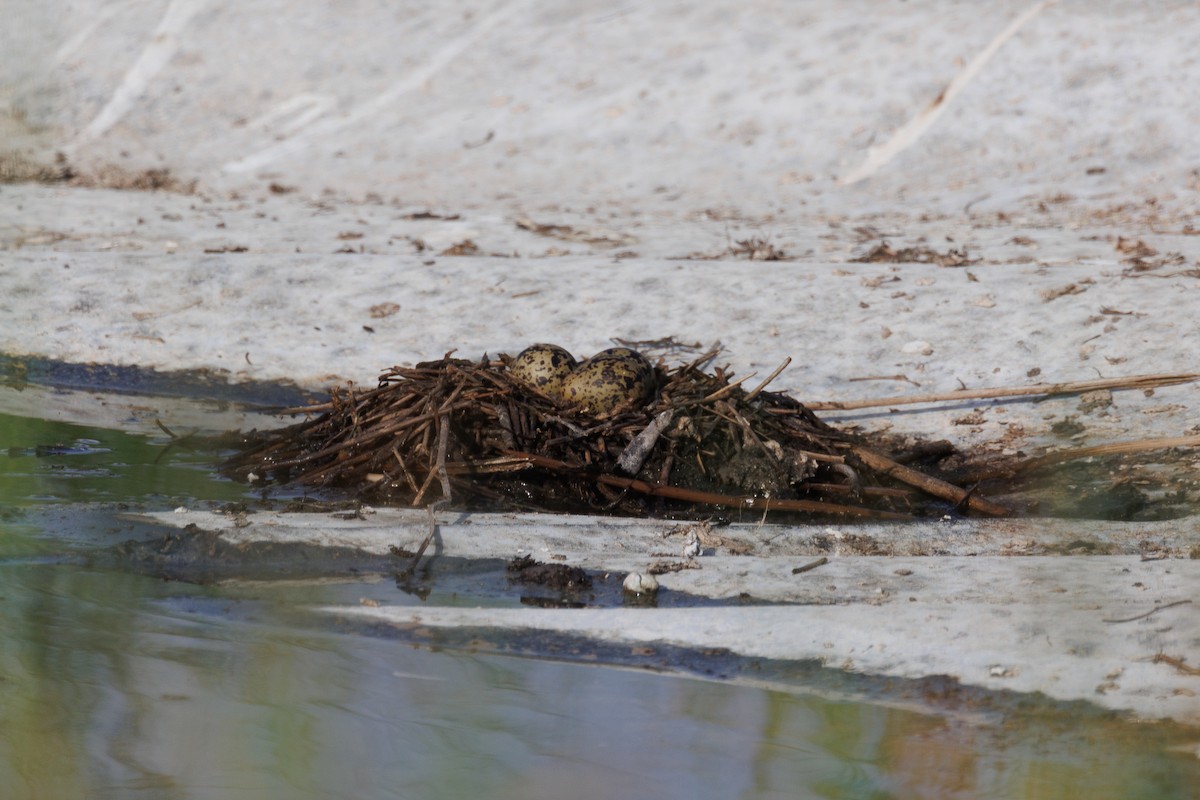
x: 543, y: 367
x: 618, y: 352
x: 613, y: 378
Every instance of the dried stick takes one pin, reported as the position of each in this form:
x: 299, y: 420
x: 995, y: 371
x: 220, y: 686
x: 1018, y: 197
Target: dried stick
x: 753, y: 394
x: 638, y: 450
x: 443, y: 440
x: 1046, y: 389
x: 820, y: 562
x: 416, y: 559
x: 404, y: 468
x: 1148, y: 613
x: 929, y: 484
x: 1177, y: 663
x: 726, y: 390
x: 491, y: 465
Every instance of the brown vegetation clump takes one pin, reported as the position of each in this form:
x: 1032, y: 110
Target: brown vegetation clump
x: 471, y: 433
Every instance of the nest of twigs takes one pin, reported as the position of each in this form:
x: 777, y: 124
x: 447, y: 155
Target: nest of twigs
x: 468, y: 433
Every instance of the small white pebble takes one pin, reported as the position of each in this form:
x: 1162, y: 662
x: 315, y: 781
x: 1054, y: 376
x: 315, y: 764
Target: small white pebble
x: 181, y: 510
x: 637, y: 583
x: 922, y: 347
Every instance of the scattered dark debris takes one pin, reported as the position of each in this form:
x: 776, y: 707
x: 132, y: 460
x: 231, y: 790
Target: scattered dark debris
x: 1139, y: 265
x: 402, y: 553
x: 1140, y: 258
x: 279, y: 188
x: 115, y: 177
x: 1057, y: 199
x: 701, y: 537
x: 18, y: 168
x: 1134, y: 248
x: 885, y: 253
x: 383, y: 310
x: 464, y: 248
x: 1095, y: 401
x: 226, y: 248
x: 664, y: 567
x: 754, y: 249
x: 1067, y: 427
x: 1083, y: 547
x: 860, y: 544
x: 1067, y: 289
x: 421, y: 215
x: 238, y: 507
x: 567, y: 233
x: 310, y: 505
x: 868, y: 233
x: 559, y: 577
x: 757, y: 249
x: 480, y: 143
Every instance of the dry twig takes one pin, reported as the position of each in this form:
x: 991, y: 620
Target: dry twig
x: 1148, y: 613
x: 1046, y: 389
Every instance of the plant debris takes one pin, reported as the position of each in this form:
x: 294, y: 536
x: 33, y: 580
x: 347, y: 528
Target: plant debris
x: 884, y: 252
x: 472, y: 433
x: 561, y: 577
x: 567, y: 233
x: 757, y: 249
x: 19, y: 168
x: 464, y: 248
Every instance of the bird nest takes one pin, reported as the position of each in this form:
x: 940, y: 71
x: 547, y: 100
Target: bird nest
x: 471, y: 434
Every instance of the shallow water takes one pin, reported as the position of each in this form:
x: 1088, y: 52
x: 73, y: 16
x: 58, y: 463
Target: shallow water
x: 119, y: 684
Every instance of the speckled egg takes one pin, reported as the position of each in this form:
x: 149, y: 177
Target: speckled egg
x: 543, y: 367
x: 607, y: 380
x: 618, y: 352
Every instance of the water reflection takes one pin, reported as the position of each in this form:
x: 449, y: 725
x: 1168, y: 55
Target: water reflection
x: 115, y: 685
x: 42, y: 462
